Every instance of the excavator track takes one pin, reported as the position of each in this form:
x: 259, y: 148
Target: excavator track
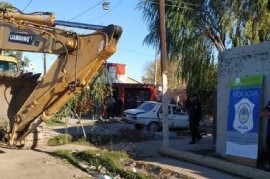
x: 15, y: 89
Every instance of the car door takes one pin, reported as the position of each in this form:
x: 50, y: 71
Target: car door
x: 179, y: 118
x: 170, y: 116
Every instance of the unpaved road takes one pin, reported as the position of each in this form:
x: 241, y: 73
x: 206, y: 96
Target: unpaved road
x: 37, y: 164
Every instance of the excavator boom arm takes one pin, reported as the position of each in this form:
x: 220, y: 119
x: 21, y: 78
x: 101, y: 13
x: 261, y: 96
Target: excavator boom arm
x: 80, y: 58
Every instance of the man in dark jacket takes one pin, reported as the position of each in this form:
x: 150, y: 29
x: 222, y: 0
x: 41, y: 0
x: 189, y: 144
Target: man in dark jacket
x: 266, y: 114
x: 195, y: 115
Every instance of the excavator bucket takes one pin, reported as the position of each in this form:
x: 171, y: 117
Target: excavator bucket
x: 15, y: 88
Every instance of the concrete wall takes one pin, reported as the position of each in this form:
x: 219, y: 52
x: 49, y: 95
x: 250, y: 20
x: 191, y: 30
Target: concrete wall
x: 240, y: 62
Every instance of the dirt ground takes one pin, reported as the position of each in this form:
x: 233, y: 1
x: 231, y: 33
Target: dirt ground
x: 37, y: 164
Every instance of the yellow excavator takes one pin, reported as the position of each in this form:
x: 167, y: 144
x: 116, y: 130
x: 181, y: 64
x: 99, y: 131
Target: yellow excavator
x: 26, y: 101
x: 8, y: 63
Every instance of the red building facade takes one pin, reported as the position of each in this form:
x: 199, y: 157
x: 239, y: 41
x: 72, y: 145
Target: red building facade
x: 131, y: 92
x: 133, y: 95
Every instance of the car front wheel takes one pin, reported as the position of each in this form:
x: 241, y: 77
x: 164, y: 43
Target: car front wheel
x: 139, y: 126
x: 153, y: 127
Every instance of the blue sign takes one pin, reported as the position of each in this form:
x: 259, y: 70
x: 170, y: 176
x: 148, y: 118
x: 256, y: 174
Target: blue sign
x: 243, y: 117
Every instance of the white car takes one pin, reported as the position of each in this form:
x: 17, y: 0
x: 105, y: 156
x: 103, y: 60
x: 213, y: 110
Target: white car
x: 149, y: 114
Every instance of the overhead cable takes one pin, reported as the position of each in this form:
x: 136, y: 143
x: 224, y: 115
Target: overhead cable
x: 172, y: 5
x: 27, y: 5
x: 86, y: 10
x: 106, y: 13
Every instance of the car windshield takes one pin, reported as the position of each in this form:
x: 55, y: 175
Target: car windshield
x: 146, y: 106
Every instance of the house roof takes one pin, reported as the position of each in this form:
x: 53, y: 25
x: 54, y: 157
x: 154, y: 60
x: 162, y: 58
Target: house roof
x: 131, y: 80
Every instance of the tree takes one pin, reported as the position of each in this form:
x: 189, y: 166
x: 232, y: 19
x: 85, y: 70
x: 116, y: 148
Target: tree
x: 90, y: 100
x: 93, y: 99
x: 226, y: 24
x: 5, y: 5
x: 200, y: 28
x: 153, y: 70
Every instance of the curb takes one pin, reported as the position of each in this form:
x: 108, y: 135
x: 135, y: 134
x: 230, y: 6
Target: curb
x: 228, y: 167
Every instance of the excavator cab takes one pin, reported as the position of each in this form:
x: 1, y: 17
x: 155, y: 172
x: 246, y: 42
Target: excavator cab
x: 8, y: 64
x: 27, y: 101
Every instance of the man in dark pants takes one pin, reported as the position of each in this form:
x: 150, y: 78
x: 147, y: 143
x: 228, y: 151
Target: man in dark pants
x: 110, y: 107
x: 266, y: 113
x: 195, y: 115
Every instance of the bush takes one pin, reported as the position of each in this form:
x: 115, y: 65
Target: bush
x: 60, y: 140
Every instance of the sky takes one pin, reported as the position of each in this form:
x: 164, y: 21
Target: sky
x: 130, y: 51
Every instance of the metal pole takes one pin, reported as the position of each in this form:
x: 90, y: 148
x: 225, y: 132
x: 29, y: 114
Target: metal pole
x: 79, y: 25
x: 156, y: 68
x: 44, y: 64
x: 165, y: 97
x: 34, y: 127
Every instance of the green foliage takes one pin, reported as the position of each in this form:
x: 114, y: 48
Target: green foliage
x: 67, y: 138
x: 97, y: 95
x: 17, y: 55
x: 66, y: 154
x: 113, y: 161
x: 5, y: 5
x: 117, y: 164
x: 65, y: 111
x: 150, y: 70
x: 59, y: 140
x: 81, y: 140
x: 25, y: 62
x: 154, y: 68
x: 109, y: 159
x: 57, y: 121
x: 90, y: 100
x: 186, y: 43
x: 198, y: 29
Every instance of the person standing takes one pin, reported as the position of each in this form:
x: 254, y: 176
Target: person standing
x: 110, y: 107
x: 118, y: 106
x: 187, y: 105
x: 195, y: 115
x: 266, y: 114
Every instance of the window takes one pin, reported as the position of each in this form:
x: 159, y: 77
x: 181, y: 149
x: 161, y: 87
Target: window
x: 178, y: 111
x: 5, y: 66
x: 146, y: 106
x: 169, y: 110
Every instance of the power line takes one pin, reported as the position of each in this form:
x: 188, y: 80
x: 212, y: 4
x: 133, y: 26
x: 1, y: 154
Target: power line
x: 27, y: 5
x: 171, y: 5
x: 86, y: 11
x: 106, y: 13
x: 136, y: 52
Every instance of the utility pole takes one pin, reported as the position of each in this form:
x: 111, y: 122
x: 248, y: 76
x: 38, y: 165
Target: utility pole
x: 155, y: 68
x: 165, y: 97
x: 44, y: 64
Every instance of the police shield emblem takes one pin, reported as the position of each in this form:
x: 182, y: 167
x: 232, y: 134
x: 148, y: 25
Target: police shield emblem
x: 243, y: 119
